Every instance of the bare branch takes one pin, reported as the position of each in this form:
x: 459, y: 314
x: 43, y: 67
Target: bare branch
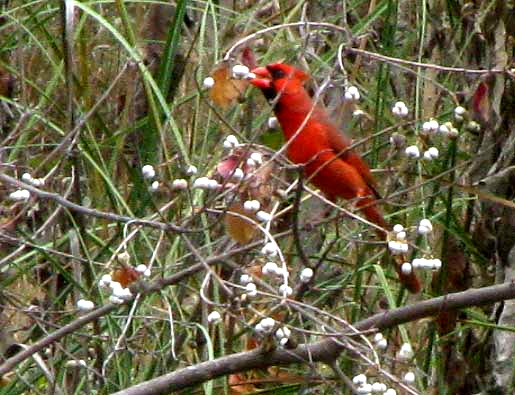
x: 326, y: 350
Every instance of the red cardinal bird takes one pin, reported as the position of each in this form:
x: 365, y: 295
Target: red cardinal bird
x: 316, y: 142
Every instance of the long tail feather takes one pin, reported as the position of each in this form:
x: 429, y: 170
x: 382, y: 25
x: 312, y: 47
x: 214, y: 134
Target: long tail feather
x: 374, y: 214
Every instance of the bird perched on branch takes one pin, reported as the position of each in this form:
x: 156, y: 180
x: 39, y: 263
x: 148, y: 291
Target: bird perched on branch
x: 315, y: 142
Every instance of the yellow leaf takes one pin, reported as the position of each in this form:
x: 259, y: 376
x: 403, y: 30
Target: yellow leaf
x: 240, y: 229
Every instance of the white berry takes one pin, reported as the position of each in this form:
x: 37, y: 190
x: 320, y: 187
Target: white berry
x: 270, y: 249
x: 214, y: 317
x: 272, y: 123
x: 180, y: 183
x: 191, y: 170
x: 148, y: 172
x: 399, y: 109
x: 269, y: 268
x: 267, y: 324
x: 285, y: 290
x: 398, y: 228
x: 412, y: 152
x: 364, y: 389
x: 359, y: 379
x: 378, y: 388
x: 406, y: 352
x: 209, y: 82
x: 263, y: 216
x: 85, y: 305
x: 251, y: 289
x: 352, y: 94
x: 409, y: 378
x: 251, y: 205
x: 306, y: 275
x: 20, y: 195
x: 154, y: 186
x: 406, y: 268
x: 240, y: 71
x: 424, y: 227
x: 382, y: 344
x: 257, y: 157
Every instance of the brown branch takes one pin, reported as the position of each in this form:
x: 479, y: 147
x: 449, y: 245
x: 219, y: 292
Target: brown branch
x: 295, y: 211
x: 326, y: 350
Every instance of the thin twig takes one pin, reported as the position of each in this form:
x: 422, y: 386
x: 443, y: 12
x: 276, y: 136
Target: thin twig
x: 92, y: 212
x: 373, y: 55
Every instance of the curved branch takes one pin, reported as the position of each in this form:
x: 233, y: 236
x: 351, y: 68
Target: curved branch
x: 250, y: 37
x: 322, y: 351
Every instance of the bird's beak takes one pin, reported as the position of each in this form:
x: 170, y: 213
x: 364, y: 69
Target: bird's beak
x: 262, y: 79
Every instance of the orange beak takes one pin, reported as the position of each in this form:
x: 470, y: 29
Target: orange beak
x: 263, y: 78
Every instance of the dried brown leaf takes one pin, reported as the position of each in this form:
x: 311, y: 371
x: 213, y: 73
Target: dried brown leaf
x: 238, y: 228
x: 226, y: 90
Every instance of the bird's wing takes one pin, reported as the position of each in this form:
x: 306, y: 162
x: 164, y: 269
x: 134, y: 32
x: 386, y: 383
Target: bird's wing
x: 340, y: 144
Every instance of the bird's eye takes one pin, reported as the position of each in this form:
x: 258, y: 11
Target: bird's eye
x: 277, y: 74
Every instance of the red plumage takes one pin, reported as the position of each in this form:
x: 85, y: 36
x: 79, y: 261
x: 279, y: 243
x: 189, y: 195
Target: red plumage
x: 339, y: 172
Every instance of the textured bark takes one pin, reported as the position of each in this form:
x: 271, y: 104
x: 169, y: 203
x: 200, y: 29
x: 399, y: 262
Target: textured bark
x: 325, y: 351
x: 504, y: 341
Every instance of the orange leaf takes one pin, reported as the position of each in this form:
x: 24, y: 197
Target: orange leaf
x: 125, y: 275
x: 226, y: 90
x: 237, y: 227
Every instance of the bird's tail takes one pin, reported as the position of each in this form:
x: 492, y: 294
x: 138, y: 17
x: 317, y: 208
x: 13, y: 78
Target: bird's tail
x: 374, y: 214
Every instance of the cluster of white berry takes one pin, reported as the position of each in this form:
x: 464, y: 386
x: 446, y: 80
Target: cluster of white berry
x: 22, y: 195
x: 400, y: 109
x: 413, y: 152
x: 351, y: 94
x: 271, y: 269
x: 380, y: 341
x: 405, y: 354
x: 250, y: 287
x: 199, y: 183
x: 36, y: 182
x: 365, y: 388
x: 400, y: 246
x: 268, y: 324
x: 430, y: 128
x: 283, y: 335
x: 149, y: 173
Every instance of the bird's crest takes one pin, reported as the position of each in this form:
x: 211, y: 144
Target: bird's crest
x: 283, y: 70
